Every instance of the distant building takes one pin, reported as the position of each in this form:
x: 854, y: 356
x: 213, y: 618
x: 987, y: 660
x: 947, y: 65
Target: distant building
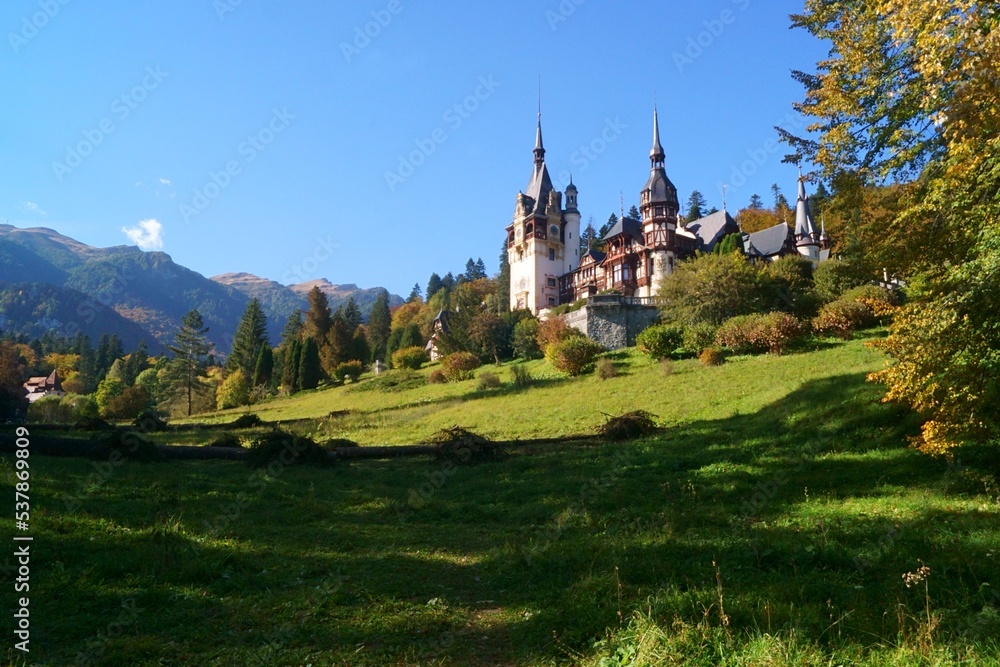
x: 40, y: 387
x: 781, y: 240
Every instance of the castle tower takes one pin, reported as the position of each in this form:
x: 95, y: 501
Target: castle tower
x: 659, y: 208
x: 807, y: 238
x: 541, y: 239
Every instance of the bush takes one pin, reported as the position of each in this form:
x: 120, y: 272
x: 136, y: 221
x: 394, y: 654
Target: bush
x: 712, y: 356
x: 128, y: 447
x: 233, y: 392
x: 882, y: 302
x: 227, y: 440
x: 525, y: 341
x: 348, y: 370
x: 84, y: 407
x: 278, y: 447
x: 488, y: 381
x: 520, y: 376
x: 574, y: 355
x: 628, y: 426
x: 842, y: 317
x: 148, y: 421
x: 606, y: 369
x: 458, y: 366
x: 660, y: 340
x: 834, y: 277
x: 249, y: 420
x: 698, y: 337
x: 411, y: 358
x: 50, y: 410
x: 554, y: 330
x: 771, y: 332
x: 461, y: 447
x: 108, y: 389
x: 436, y: 377
x: 129, y: 405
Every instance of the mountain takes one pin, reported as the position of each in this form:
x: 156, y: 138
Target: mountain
x: 34, y: 309
x: 137, y: 294
x: 339, y: 294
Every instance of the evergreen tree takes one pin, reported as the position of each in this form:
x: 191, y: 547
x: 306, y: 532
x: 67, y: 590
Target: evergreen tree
x: 310, y: 372
x: 470, y: 271
x: 134, y: 364
x: 415, y: 293
x: 264, y: 368
x: 434, y: 285
x: 251, y: 336
x: 293, y: 328
x: 503, y: 281
x: 755, y: 203
x: 380, y: 325
x: 448, y: 282
x: 633, y: 213
x: 606, y: 227
x: 695, y: 206
x: 779, y: 199
x: 290, y: 366
x: 480, y: 268
x: 187, y: 368
x: 318, y: 319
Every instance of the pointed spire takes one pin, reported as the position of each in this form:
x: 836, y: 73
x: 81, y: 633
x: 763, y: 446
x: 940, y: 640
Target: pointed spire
x: 802, y: 185
x: 656, y: 154
x: 539, y: 146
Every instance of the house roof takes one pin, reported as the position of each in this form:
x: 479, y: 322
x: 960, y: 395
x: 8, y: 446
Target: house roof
x: 596, y: 255
x: 767, y: 242
x: 627, y: 226
x: 712, y: 228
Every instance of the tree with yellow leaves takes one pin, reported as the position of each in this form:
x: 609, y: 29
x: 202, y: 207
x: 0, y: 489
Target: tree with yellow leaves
x: 910, y: 92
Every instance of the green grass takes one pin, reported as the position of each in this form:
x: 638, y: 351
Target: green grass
x: 787, y: 473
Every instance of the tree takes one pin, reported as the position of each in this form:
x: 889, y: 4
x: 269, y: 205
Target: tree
x: 264, y: 368
x: 937, y: 59
x: 480, y: 268
x: 503, y: 281
x: 250, y: 338
x: 780, y: 202
x: 290, y: 366
x: 380, y: 325
x: 606, y: 227
x: 633, y: 213
x: 310, y: 371
x: 589, y: 240
x: 695, y: 206
x: 134, y: 364
x: 756, y: 204
x: 487, y: 330
x: 234, y: 391
x: 318, y: 318
x: 713, y: 288
x: 187, y: 369
x: 13, y: 402
x: 434, y: 285
x: 415, y: 293
x: 293, y: 328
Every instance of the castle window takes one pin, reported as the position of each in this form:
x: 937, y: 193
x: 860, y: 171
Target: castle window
x: 552, y: 301
x: 551, y: 282
x: 552, y: 255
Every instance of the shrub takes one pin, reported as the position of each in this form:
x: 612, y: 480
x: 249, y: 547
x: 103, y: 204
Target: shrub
x: 660, y: 340
x: 520, y: 376
x: 129, y: 405
x: 554, y: 330
x: 842, y: 317
x: 882, y: 302
x: 436, y: 377
x: 411, y: 358
x: 108, y: 388
x: 488, y: 381
x: 148, y: 421
x: 50, y: 410
x: 126, y: 446
x: 628, y: 426
x: 771, y: 332
x: 606, y: 369
x: 227, y: 440
x: 699, y: 336
x: 458, y: 366
x: 249, y: 420
x: 348, y: 370
x: 525, y: 339
x: 574, y: 355
x: 461, y: 447
x: 835, y: 277
x: 712, y: 356
x: 233, y: 392
x: 278, y: 447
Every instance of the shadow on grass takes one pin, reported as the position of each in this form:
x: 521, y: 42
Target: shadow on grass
x: 484, y: 565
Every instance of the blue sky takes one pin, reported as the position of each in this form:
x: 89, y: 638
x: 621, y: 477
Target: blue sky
x: 376, y: 142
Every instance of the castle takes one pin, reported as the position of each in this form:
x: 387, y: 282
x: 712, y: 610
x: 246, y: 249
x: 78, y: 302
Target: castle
x: 544, y: 250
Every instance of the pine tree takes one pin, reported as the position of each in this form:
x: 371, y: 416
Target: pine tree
x: 480, y: 268
x: 186, y: 370
x: 264, y: 368
x: 293, y: 328
x: 470, y: 271
x: 134, y: 364
x: 310, y: 372
x: 695, y: 206
x: 503, y: 281
x: 251, y: 336
x: 756, y: 204
x: 290, y: 366
x: 415, y: 293
x: 434, y: 285
x: 606, y: 227
x: 633, y: 213
x: 780, y: 202
x: 318, y: 319
x: 448, y: 282
x: 380, y: 325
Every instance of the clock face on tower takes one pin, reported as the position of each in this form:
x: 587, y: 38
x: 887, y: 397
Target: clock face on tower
x: 553, y: 230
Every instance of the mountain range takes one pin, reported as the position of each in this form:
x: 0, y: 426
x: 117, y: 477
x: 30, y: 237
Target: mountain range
x: 53, y: 283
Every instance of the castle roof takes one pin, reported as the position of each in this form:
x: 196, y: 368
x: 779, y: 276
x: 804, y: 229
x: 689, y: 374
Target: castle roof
x: 660, y: 189
x: 711, y: 229
x: 628, y: 226
x: 767, y: 242
x: 540, y: 184
x: 805, y: 229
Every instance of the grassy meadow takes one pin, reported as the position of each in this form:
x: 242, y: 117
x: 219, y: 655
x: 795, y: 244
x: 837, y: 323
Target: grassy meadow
x: 769, y: 523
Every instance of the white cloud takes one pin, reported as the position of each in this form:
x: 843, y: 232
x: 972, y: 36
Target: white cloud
x: 148, y: 234
x: 165, y: 181
x: 34, y: 208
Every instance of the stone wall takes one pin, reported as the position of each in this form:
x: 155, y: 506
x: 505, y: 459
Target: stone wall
x: 612, y: 321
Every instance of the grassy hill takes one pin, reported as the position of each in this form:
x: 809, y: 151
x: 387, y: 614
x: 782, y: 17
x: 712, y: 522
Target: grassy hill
x: 770, y: 524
